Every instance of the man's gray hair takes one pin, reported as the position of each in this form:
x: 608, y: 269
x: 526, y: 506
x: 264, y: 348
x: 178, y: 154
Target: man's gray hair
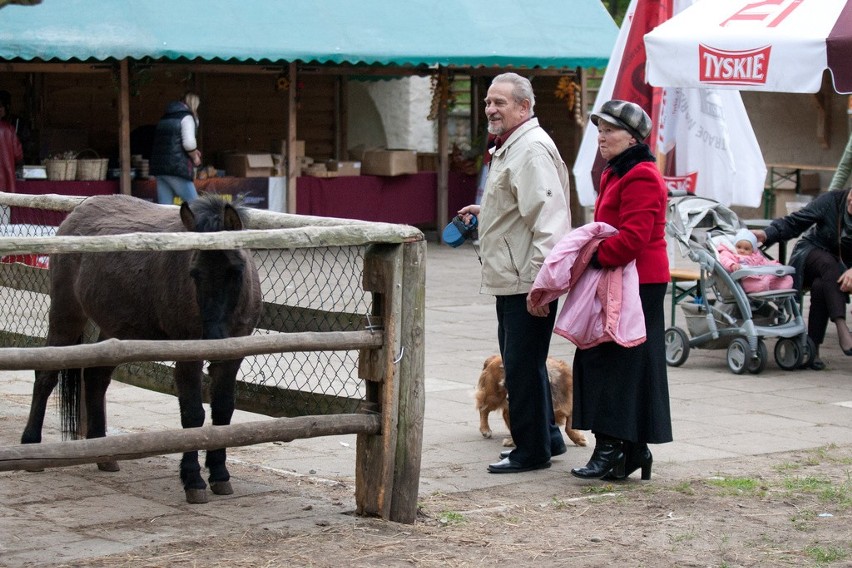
x: 521, y: 88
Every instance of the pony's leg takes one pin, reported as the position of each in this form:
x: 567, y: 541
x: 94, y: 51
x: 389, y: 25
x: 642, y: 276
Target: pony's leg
x: 188, y: 383
x: 96, y: 381
x: 45, y: 382
x: 65, y: 327
x: 223, y: 375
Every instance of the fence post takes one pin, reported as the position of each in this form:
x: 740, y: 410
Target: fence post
x: 412, y: 395
x: 376, y: 454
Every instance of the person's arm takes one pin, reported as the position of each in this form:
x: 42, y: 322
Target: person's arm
x: 542, y: 203
x: 641, y: 201
x: 728, y: 260
x: 188, y: 140
x: 796, y: 223
x: 844, y: 167
x: 18, y: 150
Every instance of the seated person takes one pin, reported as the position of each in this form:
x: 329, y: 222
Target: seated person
x: 747, y: 254
x: 821, y: 257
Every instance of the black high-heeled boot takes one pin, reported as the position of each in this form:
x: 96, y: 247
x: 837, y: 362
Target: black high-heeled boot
x: 608, y: 457
x: 636, y: 456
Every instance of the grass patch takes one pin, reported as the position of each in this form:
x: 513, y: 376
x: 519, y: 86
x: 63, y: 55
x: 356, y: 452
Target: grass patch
x: 598, y: 489
x: 683, y: 537
x: 787, y: 467
x: 739, y: 486
x: 825, y: 555
x: 448, y: 518
x: 823, y: 489
x: 804, y: 521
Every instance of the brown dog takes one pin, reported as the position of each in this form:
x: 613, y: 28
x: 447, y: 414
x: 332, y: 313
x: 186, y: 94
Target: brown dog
x: 491, y: 395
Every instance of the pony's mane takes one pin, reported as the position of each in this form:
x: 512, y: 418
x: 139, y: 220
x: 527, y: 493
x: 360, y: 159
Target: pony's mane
x: 209, y: 211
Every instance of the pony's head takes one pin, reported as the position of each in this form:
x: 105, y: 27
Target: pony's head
x: 217, y: 274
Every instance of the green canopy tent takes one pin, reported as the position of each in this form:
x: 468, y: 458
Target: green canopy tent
x: 381, y: 36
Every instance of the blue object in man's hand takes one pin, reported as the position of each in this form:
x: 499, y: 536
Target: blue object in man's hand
x: 457, y: 231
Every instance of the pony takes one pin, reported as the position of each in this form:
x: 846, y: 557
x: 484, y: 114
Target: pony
x: 192, y: 294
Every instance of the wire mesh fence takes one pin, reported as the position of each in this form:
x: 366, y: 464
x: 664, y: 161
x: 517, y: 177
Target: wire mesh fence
x: 304, y: 289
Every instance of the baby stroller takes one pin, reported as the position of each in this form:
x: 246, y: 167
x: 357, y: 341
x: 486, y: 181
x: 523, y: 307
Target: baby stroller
x: 723, y: 315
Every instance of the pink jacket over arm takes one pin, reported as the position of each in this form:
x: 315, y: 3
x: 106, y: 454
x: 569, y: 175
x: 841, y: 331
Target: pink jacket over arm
x: 601, y: 305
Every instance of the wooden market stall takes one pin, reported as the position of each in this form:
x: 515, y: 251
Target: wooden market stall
x: 93, y: 74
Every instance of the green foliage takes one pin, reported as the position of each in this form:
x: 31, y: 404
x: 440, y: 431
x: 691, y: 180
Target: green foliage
x: 617, y: 9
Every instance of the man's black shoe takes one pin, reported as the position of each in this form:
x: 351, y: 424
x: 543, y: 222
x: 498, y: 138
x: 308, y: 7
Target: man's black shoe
x: 508, y: 466
x: 553, y: 452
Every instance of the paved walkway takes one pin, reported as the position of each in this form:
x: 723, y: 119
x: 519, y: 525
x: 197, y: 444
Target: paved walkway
x: 71, y: 513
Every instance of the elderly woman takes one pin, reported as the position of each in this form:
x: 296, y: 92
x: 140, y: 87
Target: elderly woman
x: 621, y: 393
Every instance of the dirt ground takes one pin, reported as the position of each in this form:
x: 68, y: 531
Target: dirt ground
x: 796, y: 512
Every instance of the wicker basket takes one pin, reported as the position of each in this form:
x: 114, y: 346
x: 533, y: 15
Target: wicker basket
x: 61, y: 170
x: 91, y: 169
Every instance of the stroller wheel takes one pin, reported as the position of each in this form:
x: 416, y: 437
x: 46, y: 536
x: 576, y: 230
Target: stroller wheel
x: 677, y: 347
x: 738, y: 356
x: 789, y: 353
x: 810, y: 354
x: 758, y: 364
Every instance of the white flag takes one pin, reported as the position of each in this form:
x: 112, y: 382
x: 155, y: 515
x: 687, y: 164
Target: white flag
x: 586, y: 190
x: 716, y: 153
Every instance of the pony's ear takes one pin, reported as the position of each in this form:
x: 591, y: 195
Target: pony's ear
x: 232, y: 220
x: 187, y: 217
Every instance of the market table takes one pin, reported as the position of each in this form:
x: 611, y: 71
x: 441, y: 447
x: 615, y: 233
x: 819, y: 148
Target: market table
x: 409, y: 199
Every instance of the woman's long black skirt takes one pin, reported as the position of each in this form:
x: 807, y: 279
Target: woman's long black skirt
x: 623, y: 392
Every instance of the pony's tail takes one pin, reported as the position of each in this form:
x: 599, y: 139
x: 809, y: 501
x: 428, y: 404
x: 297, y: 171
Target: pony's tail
x: 70, y: 396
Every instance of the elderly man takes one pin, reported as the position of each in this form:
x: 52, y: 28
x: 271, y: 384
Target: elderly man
x: 524, y: 213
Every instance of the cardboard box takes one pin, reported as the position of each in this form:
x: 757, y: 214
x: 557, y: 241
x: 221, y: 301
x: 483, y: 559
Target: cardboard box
x: 344, y: 168
x: 357, y: 152
x: 389, y: 162
x: 249, y: 165
x: 318, y: 170
x: 279, y: 146
x: 427, y: 162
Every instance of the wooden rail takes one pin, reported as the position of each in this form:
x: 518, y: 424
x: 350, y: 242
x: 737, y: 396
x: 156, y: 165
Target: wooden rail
x: 147, y: 444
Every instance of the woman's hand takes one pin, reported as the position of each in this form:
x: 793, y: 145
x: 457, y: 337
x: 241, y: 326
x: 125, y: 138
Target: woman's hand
x: 845, y: 281
x: 195, y: 156
x: 760, y: 235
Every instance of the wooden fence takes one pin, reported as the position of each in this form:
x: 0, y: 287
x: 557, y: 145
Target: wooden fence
x: 388, y: 422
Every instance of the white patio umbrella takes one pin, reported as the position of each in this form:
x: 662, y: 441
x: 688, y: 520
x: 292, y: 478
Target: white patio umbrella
x: 779, y: 45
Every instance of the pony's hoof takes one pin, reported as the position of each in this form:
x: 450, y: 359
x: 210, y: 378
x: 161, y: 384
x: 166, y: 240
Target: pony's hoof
x: 221, y: 487
x: 196, y: 496
x: 109, y: 466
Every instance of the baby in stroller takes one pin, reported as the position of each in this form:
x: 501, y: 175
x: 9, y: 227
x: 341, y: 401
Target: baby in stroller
x: 747, y: 254
x: 741, y: 299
